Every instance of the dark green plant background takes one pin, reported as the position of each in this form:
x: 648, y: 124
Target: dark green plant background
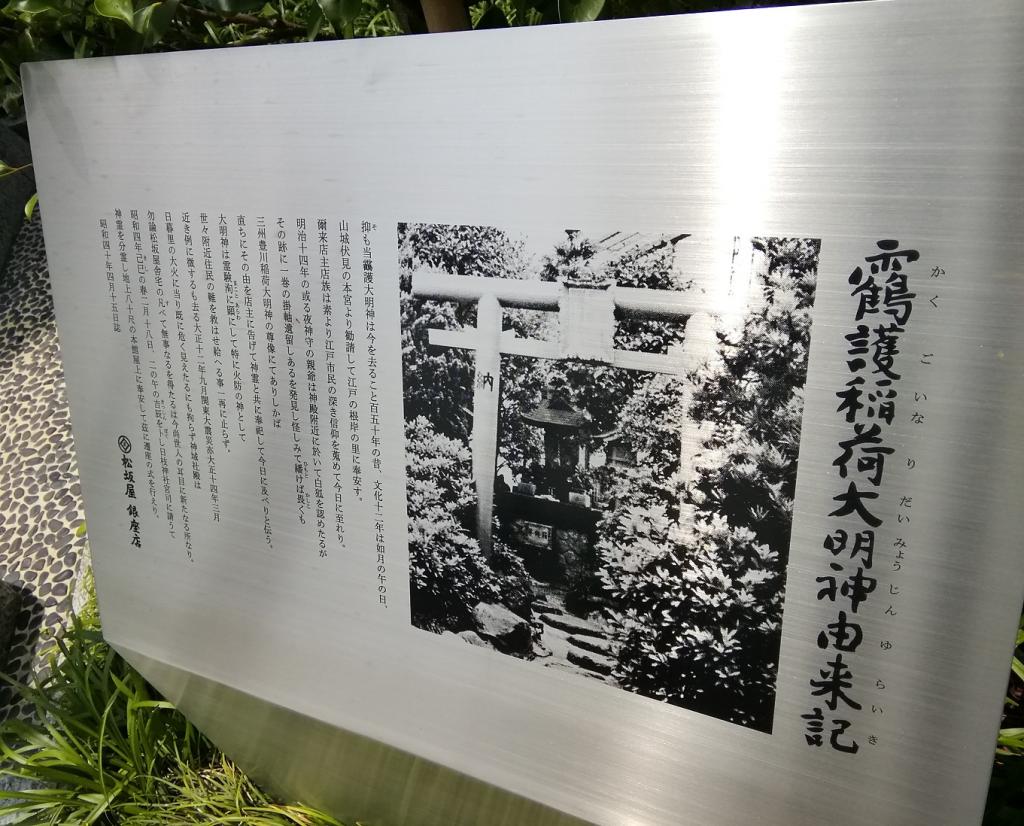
x: 111, y: 750
x: 49, y: 29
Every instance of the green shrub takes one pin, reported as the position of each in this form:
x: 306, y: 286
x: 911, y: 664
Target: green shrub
x: 448, y: 573
x: 697, y: 569
x: 105, y: 749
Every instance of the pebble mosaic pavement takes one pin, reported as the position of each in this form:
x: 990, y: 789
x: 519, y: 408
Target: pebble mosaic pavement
x: 40, y: 496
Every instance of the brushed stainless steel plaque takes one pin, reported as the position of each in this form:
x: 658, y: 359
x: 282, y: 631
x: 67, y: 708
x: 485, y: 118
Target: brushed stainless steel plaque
x: 610, y: 423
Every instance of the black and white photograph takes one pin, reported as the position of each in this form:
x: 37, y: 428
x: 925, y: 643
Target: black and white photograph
x: 601, y: 437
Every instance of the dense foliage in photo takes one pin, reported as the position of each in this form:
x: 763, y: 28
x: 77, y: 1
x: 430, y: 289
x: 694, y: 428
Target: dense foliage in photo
x: 438, y: 382
x: 448, y: 574
x: 697, y: 570
x: 688, y: 568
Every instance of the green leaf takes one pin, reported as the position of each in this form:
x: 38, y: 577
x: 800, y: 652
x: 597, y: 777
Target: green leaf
x: 30, y: 206
x: 579, y: 11
x: 80, y: 530
x: 314, y: 21
x: 341, y: 13
x: 521, y: 11
x: 122, y: 10
x: 154, y: 20
x: 492, y: 18
x: 30, y: 7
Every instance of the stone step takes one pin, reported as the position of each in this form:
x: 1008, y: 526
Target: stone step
x: 574, y: 625
x: 592, y: 644
x: 544, y: 607
x: 591, y: 662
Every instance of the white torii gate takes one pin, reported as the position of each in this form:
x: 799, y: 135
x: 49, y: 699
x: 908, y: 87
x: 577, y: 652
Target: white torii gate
x: 586, y: 332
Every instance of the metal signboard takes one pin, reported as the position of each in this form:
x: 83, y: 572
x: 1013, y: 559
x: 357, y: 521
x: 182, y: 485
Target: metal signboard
x: 728, y: 304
